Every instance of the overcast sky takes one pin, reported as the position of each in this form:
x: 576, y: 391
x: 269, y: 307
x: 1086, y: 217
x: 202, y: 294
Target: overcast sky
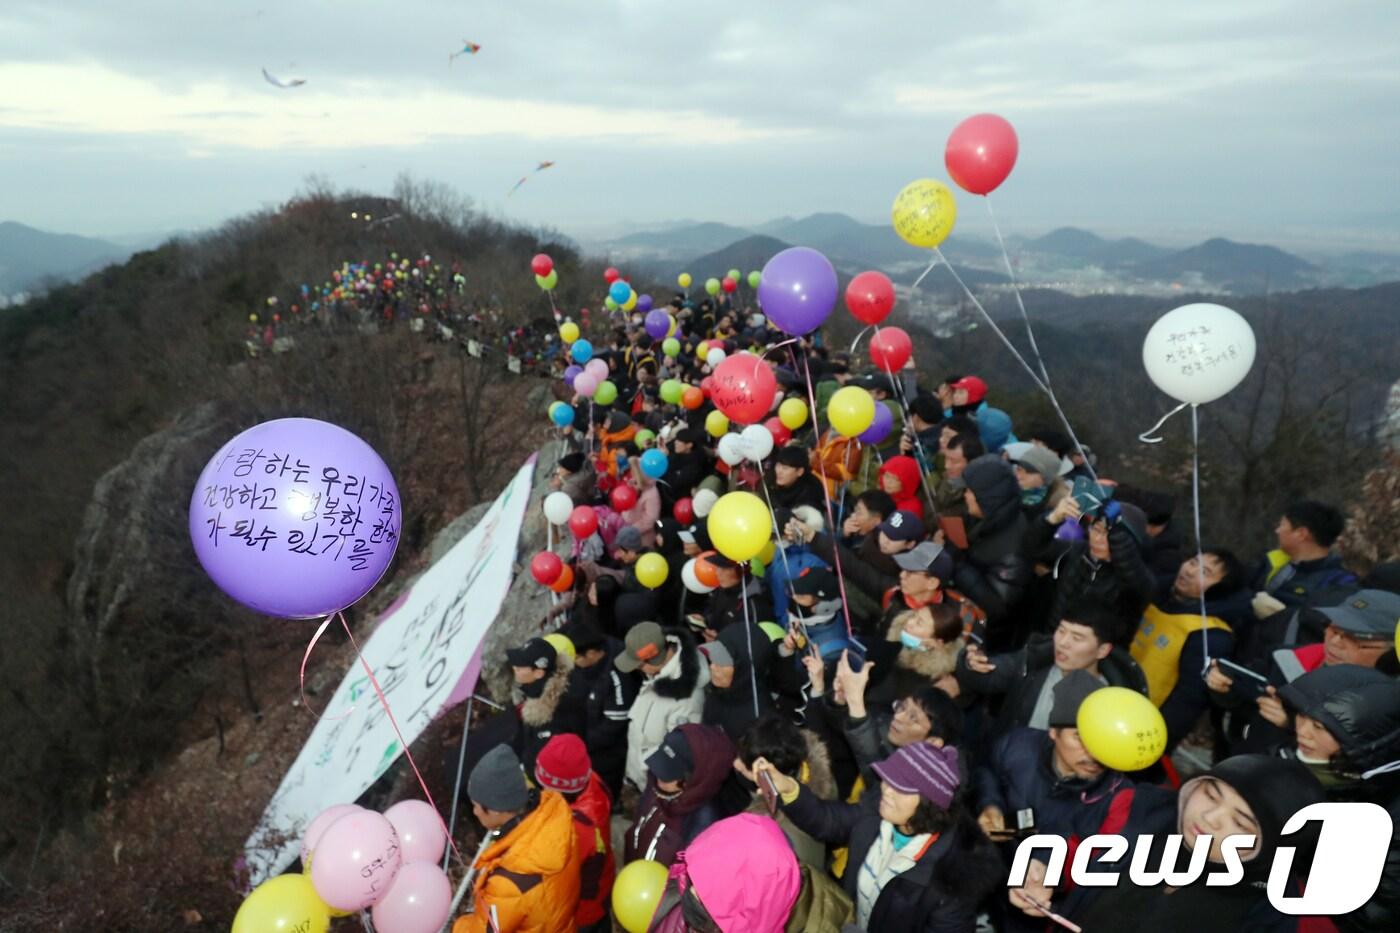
x: 1276, y: 121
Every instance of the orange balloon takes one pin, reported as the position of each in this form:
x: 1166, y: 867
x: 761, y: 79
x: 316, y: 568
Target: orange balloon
x: 565, y: 581
x: 693, y: 397
x: 705, y: 571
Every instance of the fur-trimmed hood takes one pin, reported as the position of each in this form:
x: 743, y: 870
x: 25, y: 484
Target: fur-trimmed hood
x: 540, y: 710
x: 680, y: 684
x: 820, y: 779
x: 933, y: 663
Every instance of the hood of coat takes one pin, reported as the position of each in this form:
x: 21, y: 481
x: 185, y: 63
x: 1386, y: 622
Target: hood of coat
x: 906, y: 470
x: 540, y: 710
x: 540, y: 844
x: 687, y: 671
x: 1359, y: 706
x: 753, y: 848
x: 932, y: 663
x: 713, y: 753
x: 820, y: 779
x: 993, y: 482
x: 738, y: 639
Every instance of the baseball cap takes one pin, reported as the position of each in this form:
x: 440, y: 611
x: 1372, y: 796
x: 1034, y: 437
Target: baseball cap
x: 673, y: 761
x: 628, y: 537
x: 536, y: 653
x: 928, y: 557
x: 881, y: 381
x: 818, y: 582
x: 903, y: 525
x: 1366, y: 614
x: 1041, y: 460
x: 975, y: 387
x: 923, y: 769
x: 645, y: 642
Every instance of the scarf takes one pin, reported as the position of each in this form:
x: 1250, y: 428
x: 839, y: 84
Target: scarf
x: 882, y: 864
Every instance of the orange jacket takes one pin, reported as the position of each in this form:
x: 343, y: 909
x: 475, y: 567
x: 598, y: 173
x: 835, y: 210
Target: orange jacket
x: 530, y: 875
x: 593, y: 824
x: 612, y: 443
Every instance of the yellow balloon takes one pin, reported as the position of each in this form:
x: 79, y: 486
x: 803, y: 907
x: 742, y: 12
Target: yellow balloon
x: 792, y: 413
x: 684, y: 280
x: 630, y: 303
x: 671, y: 330
x: 1121, y: 728
x: 636, y: 892
x: 652, y: 570
x: 568, y: 332
x: 740, y: 525
x: 253, y: 318
x: 702, y: 351
x: 562, y: 644
x: 924, y: 213
x: 851, y: 410
x: 765, y: 556
x: 281, y: 905
x: 716, y: 424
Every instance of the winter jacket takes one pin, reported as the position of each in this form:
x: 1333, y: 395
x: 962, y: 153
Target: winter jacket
x: 683, y: 473
x: 581, y: 485
x: 1124, y: 583
x: 529, y: 874
x: 674, y: 696
x: 664, y: 827
x: 905, y: 670
x: 1019, y: 774
x: 911, y: 494
x: 592, y: 812
x: 939, y: 894
x: 644, y: 515
x: 1321, y: 582
x: 725, y: 608
x: 816, y: 775
x: 822, y: 906
x: 547, y: 715
x: 1021, y: 675
x: 993, y: 572
x: 787, y: 565
x: 610, y: 694
x: 808, y: 490
x: 732, y: 708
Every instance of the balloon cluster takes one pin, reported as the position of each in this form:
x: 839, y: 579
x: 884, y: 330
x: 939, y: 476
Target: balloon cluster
x: 354, y: 859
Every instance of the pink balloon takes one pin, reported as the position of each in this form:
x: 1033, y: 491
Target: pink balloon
x: 585, y: 384
x: 419, y: 901
x: 320, y: 824
x: 356, y: 860
x: 597, y: 368
x: 420, y: 830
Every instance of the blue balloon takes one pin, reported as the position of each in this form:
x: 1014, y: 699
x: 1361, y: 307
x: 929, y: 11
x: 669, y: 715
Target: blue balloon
x: 620, y: 292
x: 562, y: 415
x: 654, y: 463
x: 582, y: 351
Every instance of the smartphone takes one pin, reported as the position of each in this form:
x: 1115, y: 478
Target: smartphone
x: 977, y: 634
x: 855, y: 654
x: 769, y: 792
x: 1089, y: 495
x: 1254, y: 682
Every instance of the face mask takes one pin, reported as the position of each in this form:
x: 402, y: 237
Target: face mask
x: 1034, y: 496
x: 910, y: 642
x: 534, y: 690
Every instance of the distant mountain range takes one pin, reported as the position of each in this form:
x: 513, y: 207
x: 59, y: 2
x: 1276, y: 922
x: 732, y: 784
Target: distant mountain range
x: 29, y: 257
x: 1068, y: 258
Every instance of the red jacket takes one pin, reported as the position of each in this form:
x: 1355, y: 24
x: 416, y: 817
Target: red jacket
x: 593, y: 824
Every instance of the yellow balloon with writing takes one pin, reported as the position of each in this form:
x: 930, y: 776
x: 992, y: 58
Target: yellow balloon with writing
x: 652, y: 570
x: 284, y: 903
x: 792, y: 413
x: 851, y: 410
x: 1121, y: 729
x: 924, y: 213
x: 636, y: 892
x: 739, y: 525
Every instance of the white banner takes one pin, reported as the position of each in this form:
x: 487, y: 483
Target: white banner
x: 419, y: 652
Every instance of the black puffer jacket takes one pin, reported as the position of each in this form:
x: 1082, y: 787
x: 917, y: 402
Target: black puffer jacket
x: 993, y: 572
x: 732, y: 708
x: 1124, y: 582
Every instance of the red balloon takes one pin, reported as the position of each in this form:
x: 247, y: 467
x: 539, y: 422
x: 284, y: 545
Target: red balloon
x: 870, y: 297
x: 707, y: 386
x: 623, y: 497
x: 565, y: 581
x: 981, y: 153
x: 611, y: 275
x: 546, y: 567
x: 684, y: 511
x: 692, y: 398
x: 890, y: 348
x: 744, y: 387
x: 583, y: 521
x: 729, y: 285
x: 542, y: 265
x: 780, y: 432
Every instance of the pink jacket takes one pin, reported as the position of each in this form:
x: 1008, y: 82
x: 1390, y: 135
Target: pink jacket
x: 744, y: 873
x: 644, y: 515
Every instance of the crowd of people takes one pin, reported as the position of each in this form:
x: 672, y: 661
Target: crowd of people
x: 856, y: 731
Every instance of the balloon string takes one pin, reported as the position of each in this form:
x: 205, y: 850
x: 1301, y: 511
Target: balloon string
x: 457, y: 784
x: 787, y: 568
x: 927, y: 269
x: 908, y: 420
x: 1150, y: 435
x: 1200, y: 554
x: 826, y: 492
x: 776, y: 346
x: 1049, y: 393
x: 856, y: 342
x: 748, y: 632
x: 1016, y: 288
x: 320, y: 630
x: 384, y: 702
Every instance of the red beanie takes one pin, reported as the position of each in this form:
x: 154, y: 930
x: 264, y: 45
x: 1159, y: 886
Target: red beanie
x: 563, y: 764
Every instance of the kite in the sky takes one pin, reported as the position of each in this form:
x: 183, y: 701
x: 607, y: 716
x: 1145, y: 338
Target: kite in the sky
x: 539, y: 168
x: 278, y: 82
x: 468, y: 48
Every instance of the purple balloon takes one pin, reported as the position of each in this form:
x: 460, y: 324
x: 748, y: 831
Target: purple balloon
x: 658, y: 324
x: 880, y: 428
x: 569, y: 374
x: 798, y: 290
x: 1069, y: 531
x: 644, y: 303
x: 295, y: 518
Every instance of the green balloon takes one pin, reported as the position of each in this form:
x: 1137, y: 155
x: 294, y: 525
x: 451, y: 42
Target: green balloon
x: 610, y: 304
x: 671, y: 391
x: 606, y: 393
x: 735, y: 274
x: 754, y: 279
x: 712, y: 286
x: 642, y: 437
x: 671, y: 346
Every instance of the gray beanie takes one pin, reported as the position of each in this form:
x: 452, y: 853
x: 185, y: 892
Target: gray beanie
x: 498, y: 782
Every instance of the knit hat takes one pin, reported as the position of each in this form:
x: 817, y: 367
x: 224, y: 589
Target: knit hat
x: 498, y: 782
x: 1072, y: 690
x: 645, y: 642
x: 902, y: 526
x: 923, y: 769
x: 628, y: 538
x: 717, y: 654
x: 572, y: 463
x: 563, y: 764
x: 1037, y: 459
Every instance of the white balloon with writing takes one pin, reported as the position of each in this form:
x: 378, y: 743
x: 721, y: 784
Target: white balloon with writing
x: 1198, y: 352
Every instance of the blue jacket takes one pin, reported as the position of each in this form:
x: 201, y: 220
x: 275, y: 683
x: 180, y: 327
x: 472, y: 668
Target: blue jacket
x: 798, y: 558
x: 1019, y: 774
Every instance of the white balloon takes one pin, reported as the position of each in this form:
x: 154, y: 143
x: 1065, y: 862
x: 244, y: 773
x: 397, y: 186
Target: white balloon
x: 732, y: 449
x: 758, y: 442
x: 715, y: 357
x: 1198, y: 352
x: 703, y: 501
x: 557, y: 507
x: 691, y: 581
